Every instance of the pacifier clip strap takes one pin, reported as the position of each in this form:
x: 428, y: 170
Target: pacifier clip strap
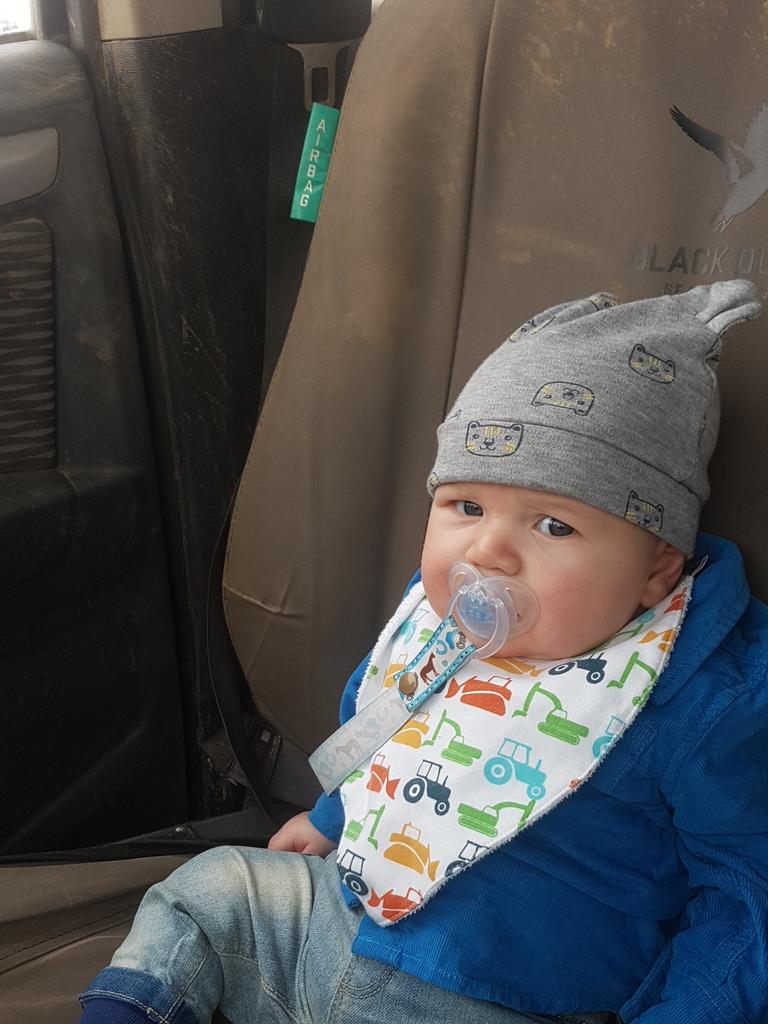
x: 441, y: 657
x: 359, y: 738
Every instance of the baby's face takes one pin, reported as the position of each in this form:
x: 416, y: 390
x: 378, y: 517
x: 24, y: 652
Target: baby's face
x: 590, y: 570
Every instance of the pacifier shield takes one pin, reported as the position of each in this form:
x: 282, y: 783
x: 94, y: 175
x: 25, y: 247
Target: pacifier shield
x: 490, y: 608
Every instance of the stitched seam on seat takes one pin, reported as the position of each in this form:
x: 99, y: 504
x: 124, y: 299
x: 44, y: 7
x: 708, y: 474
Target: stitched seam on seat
x: 249, y: 599
x: 68, y: 931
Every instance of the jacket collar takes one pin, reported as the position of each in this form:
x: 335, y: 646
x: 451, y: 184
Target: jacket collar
x: 719, y: 599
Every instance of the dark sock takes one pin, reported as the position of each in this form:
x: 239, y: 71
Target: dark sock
x: 112, y: 1011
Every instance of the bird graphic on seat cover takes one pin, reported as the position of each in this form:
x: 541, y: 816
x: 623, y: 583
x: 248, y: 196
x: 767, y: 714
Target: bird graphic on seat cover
x: 745, y: 166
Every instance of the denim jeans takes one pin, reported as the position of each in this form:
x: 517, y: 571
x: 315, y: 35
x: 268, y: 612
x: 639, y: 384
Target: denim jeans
x: 266, y: 938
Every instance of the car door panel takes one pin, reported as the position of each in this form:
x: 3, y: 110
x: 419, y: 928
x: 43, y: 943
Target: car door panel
x: 90, y: 714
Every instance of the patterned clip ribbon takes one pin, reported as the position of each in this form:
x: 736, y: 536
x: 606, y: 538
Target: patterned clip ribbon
x: 433, y: 657
x: 359, y: 738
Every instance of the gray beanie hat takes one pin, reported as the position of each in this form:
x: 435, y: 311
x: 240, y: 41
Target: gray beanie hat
x: 613, y: 405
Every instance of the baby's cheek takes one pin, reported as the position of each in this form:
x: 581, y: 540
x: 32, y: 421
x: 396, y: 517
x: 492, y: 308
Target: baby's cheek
x: 570, y: 627
x: 436, y: 590
x: 606, y: 615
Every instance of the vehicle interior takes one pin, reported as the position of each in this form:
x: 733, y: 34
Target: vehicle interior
x: 217, y: 420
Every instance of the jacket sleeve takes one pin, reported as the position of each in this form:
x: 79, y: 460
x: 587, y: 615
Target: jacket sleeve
x: 328, y: 813
x: 715, y: 969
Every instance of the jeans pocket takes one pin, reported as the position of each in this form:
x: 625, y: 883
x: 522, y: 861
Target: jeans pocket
x: 365, y: 977
x: 360, y: 986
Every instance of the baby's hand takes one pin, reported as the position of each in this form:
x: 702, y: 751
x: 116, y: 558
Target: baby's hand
x: 299, y: 835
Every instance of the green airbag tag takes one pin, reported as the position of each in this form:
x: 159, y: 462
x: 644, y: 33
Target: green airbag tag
x: 313, y: 168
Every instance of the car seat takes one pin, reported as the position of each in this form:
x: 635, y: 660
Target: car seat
x: 493, y: 157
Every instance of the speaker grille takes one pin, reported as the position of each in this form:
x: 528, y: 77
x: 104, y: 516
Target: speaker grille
x: 27, y: 366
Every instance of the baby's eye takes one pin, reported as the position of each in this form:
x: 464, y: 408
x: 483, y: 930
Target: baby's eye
x: 551, y: 527
x: 468, y: 508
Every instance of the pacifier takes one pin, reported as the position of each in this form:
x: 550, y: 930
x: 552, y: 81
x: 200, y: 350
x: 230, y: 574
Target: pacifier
x: 490, y: 608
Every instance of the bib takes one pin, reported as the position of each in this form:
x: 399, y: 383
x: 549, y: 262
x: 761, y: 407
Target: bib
x: 498, y: 745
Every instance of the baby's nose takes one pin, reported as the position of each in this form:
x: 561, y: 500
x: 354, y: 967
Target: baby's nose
x: 494, y: 552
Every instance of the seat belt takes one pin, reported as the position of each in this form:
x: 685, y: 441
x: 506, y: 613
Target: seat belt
x: 319, y: 30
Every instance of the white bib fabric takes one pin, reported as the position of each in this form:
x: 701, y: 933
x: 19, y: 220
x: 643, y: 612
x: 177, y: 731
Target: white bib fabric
x: 499, y: 745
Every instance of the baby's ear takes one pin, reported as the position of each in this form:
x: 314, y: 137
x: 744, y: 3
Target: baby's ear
x: 666, y: 569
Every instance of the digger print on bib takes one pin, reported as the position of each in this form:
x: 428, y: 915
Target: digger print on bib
x: 499, y: 744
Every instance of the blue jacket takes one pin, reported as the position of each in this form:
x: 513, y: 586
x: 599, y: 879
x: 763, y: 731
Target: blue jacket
x: 646, y: 891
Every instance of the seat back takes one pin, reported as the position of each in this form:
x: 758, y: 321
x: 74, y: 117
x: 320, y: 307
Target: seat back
x: 494, y: 157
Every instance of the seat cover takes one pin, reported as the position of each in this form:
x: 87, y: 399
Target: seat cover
x: 58, y: 924
x: 494, y: 157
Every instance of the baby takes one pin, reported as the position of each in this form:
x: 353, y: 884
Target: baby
x: 559, y: 608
